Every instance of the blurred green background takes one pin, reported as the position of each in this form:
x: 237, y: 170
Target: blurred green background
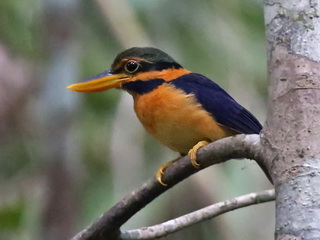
x: 68, y: 157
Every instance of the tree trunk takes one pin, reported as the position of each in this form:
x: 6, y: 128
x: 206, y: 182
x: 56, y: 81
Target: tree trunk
x: 55, y: 118
x: 291, y: 136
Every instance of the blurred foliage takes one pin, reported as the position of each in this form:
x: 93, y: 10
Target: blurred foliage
x: 221, y: 39
x: 11, y: 216
x: 20, y: 26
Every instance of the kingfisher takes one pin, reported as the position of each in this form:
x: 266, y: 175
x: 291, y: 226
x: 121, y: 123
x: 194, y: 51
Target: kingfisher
x: 183, y: 110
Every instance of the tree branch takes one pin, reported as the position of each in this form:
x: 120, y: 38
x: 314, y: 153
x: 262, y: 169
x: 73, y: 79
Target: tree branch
x: 108, y: 225
x: 174, y: 225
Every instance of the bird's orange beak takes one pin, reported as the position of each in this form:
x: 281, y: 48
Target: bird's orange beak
x: 100, y: 82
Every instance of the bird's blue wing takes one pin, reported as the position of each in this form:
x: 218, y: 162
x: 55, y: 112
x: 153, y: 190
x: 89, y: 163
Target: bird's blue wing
x: 225, y: 110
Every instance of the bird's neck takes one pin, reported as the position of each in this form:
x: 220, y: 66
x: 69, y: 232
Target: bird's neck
x: 148, y: 81
x: 142, y: 87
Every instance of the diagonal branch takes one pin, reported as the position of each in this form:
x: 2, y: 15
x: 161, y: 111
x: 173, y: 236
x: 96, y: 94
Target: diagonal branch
x: 174, y: 225
x: 108, y: 225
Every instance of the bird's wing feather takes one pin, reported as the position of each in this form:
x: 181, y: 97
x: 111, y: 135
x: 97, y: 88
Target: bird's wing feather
x: 225, y: 110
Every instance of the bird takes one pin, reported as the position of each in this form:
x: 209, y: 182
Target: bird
x: 182, y: 109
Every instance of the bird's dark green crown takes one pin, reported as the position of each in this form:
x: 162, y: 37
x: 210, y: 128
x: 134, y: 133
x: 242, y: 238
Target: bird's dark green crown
x: 153, y: 59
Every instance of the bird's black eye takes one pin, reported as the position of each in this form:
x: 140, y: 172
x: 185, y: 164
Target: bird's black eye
x: 131, y: 66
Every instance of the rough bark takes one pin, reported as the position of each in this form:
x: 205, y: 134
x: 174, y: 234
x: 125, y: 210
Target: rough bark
x: 174, y: 225
x: 108, y: 225
x: 291, y: 135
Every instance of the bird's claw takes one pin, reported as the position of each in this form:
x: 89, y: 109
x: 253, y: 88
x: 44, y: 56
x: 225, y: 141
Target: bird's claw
x: 193, y: 153
x: 193, y: 156
x: 160, y: 173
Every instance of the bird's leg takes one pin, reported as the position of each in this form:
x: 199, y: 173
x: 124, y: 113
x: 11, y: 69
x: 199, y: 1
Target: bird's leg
x: 193, y: 156
x: 193, y: 153
x: 160, y: 172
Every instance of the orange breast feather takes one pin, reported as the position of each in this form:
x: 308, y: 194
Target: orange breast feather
x: 177, y: 119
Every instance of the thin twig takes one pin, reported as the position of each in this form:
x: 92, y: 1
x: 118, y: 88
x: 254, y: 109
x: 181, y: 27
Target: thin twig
x: 174, y: 225
x: 108, y: 225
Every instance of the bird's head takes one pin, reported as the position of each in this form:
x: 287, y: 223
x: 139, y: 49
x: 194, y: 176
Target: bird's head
x: 131, y: 65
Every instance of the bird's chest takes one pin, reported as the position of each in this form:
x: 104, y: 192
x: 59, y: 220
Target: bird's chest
x: 174, y: 118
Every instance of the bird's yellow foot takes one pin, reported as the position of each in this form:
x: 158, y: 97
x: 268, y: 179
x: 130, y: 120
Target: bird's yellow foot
x: 193, y: 153
x: 161, y: 170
